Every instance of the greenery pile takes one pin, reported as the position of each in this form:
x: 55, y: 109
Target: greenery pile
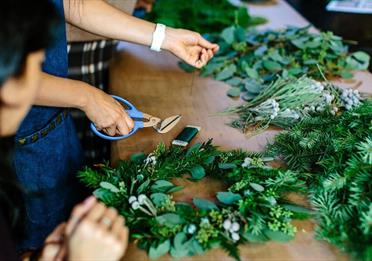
x: 287, y: 101
x: 253, y: 208
x: 248, y: 60
x: 203, y: 16
x: 338, y: 153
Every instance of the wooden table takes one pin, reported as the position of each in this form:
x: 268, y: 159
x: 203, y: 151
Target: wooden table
x: 155, y: 84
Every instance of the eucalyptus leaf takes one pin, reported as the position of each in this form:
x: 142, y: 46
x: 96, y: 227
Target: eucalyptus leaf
x: 254, y: 238
x: 228, y: 198
x: 158, y: 198
x: 278, y: 236
x: 204, y: 204
x: 227, y: 165
x: 143, y: 186
x: 197, y: 172
x: 234, y: 92
x: 138, y: 157
x: 272, y: 66
x: 228, y: 34
x: 161, y: 186
x: 226, y: 73
x: 109, y: 186
x: 169, y: 219
x: 159, y: 250
x: 193, y: 149
x: 257, y: 187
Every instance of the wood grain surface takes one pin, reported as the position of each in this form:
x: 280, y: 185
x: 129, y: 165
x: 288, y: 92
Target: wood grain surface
x: 154, y: 84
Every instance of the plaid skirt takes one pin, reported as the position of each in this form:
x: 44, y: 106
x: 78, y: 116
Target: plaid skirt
x: 89, y: 62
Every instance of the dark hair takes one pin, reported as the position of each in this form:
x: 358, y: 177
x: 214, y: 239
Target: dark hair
x: 26, y: 26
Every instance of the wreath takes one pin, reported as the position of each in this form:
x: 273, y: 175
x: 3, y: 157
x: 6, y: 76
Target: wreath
x: 254, y: 208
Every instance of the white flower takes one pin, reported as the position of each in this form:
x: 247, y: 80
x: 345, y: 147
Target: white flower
x: 227, y: 224
x: 235, y: 236
x: 247, y: 162
x: 191, y: 229
x: 132, y: 199
x: 135, y: 205
x: 141, y: 199
x: 235, y: 226
x: 205, y: 220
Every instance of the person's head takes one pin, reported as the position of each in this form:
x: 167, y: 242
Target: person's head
x: 26, y: 29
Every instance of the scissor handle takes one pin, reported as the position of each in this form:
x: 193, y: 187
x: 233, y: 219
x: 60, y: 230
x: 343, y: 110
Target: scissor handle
x: 132, y: 112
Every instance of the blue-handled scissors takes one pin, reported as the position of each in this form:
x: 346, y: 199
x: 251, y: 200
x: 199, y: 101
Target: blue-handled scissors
x: 161, y: 126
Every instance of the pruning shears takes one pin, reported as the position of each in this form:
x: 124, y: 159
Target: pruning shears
x: 141, y: 120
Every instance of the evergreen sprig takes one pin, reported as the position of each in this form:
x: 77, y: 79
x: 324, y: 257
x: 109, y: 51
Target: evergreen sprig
x: 337, y: 151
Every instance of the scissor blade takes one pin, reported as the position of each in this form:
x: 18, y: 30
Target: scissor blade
x: 167, y: 124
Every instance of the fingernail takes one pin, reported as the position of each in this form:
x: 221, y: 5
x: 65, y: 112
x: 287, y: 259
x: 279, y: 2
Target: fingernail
x: 89, y: 200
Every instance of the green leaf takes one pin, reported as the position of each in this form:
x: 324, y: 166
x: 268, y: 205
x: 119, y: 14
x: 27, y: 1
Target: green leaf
x: 228, y: 34
x: 226, y: 73
x: 233, y: 92
x: 272, y: 66
x: 252, y: 73
x: 204, y: 204
x: 257, y: 187
x: 193, y: 149
x: 175, y: 189
x: 197, y: 172
x: 260, y: 50
x: 143, y: 186
x: 253, y: 86
x: 161, y: 186
x: 186, y: 67
x: 228, y: 198
x: 170, y: 219
x: 179, y: 240
x: 240, y: 33
x: 226, y: 165
x: 138, y: 157
x: 255, y: 238
x: 298, y: 209
x: 242, y: 17
x: 235, y: 81
x: 196, y: 247
x: 346, y: 75
x: 278, y: 236
x: 159, y: 250
x: 109, y: 186
x: 103, y: 194
x: 159, y: 198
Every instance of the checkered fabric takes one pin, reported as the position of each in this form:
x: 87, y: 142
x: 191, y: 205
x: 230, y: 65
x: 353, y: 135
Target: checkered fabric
x: 89, y: 62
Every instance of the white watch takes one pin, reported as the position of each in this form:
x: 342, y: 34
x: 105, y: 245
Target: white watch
x: 158, y: 37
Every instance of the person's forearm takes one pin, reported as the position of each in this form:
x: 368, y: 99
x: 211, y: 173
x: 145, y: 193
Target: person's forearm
x: 98, y: 17
x: 60, y: 92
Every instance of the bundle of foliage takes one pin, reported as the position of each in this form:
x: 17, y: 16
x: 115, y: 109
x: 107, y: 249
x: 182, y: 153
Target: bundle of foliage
x: 338, y: 153
x: 288, y: 100
x: 253, y: 208
x: 203, y: 16
x: 248, y: 60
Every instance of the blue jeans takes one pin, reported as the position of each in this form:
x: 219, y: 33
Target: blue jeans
x: 46, y: 162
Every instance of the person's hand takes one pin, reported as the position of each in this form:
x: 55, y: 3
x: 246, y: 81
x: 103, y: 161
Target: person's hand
x: 189, y: 46
x: 95, y: 232
x: 107, y: 114
x: 54, y: 246
x: 145, y: 4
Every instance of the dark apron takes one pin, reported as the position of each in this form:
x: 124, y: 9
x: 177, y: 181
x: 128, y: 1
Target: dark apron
x: 47, y: 157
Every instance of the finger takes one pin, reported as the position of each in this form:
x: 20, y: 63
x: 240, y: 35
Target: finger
x: 117, y: 226
x: 78, y: 213
x: 129, y: 121
x: 122, y: 128
x: 210, y: 54
x: 109, y: 217
x: 96, y: 212
x: 123, y: 235
x: 206, y: 44
x: 111, y: 131
x: 57, y: 234
x: 62, y: 253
